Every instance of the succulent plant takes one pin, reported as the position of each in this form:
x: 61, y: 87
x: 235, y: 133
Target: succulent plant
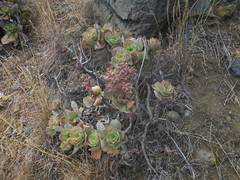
x: 119, y: 87
x: 113, y: 138
x: 10, y: 28
x: 95, y: 99
x: 5, y: 11
x: 120, y: 55
x: 135, y: 47
x: 113, y: 39
x: 77, y: 136
x: 65, y: 146
x: 91, y: 36
x: 93, y: 139
x: 125, y: 107
x: 132, y: 45
x: 65, y: 134
x: 163, y: 89
x: 13, y: 15
x: 96, y: 90
x: 53, y: 125
x: 70, y: 116
x: 73, y: 137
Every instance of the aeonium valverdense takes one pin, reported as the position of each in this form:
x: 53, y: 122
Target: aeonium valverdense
x: 119, y: 88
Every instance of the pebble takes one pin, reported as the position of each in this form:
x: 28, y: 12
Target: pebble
x: 235, y: 68
x: 173, y: 115
x: 205, y: 157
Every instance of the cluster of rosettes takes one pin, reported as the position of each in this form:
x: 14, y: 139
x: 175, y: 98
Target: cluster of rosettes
x: 126, y: 52
x: 119, y: 81
x: 102, y: 139
x: 75, y: 134
x: 13, y: 15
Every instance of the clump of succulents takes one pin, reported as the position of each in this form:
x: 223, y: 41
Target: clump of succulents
x: 119, y: 86
x: 92, y: 37
x: 68, y: 117
x: 14, y: 16
x: 163, y: 89
x: 119, y: 76
x: 120, y: 55
x: 135, y: 47
x: 103, y: 138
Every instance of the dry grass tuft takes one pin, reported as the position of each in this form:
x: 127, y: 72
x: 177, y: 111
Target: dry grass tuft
x: 25, y: 151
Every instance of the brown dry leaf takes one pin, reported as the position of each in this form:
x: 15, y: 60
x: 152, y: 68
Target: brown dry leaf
x: 98, y: 101
x: 96, y: 154
x: 113, y: 151
x: 130, y: 104
x: 8, y: 38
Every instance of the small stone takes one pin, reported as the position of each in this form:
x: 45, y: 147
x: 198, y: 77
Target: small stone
x: 173, y: 115
x: 180, y: 109
x: 187, y: 113
x: 205, y: 157
x: 235, y: 68
x: 228, y: 118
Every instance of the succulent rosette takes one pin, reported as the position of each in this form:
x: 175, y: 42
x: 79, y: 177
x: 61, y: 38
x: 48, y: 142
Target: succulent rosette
x: 77, y: 136
x: 91, y: 36
x: 132, y: 45
x: 113, y: 39
x: 71, y: 117
x: 113, y: 138
x: 163, y: 89
x: 53, y: 125
x: 120, y: 55
x: 64, y: 136
x: 93, y: 139
x: 65, y: 146
x: 135, y: 47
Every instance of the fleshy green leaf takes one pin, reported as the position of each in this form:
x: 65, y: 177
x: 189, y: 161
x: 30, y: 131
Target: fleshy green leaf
x: 93, y: 139
x: 100, y: 126
x: 74, y: 106
x: 119, y: 106
x: 88, y: 101
x: 116, y: 124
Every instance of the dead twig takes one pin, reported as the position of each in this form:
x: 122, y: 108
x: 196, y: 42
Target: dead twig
x: 143, y: 60
x: 58, y: 86
x: 84, y: 60
x: 182, y: 154
x: 150, y: 114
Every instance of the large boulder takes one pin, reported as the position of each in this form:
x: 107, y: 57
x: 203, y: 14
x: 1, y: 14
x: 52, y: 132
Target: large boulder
x: 142, y: 17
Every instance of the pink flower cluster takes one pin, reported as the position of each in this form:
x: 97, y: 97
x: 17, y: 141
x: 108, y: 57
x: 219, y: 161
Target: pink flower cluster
x: 87, y: 82
x: 119, y: 80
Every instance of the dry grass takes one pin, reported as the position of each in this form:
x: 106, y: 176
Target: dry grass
x: 24, y: 151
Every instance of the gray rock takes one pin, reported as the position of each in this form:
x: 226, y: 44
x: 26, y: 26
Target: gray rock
x: 205, y: 157
x: 173, y: 115
x: 142, y: 17
x: 235, y: 68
